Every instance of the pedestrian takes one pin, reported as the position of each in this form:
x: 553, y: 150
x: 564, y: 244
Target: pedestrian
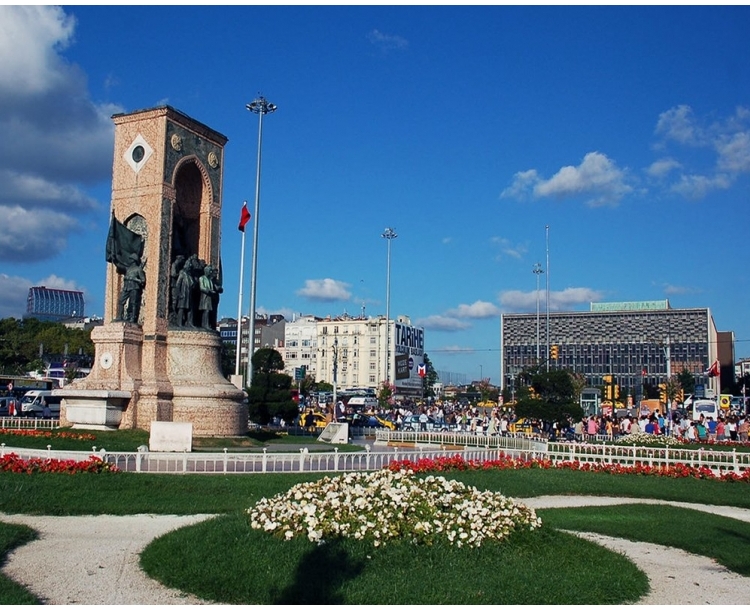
x: 732, y: 427
x: 721, y: 430
x: 742, y: 430
x: 711, y: 429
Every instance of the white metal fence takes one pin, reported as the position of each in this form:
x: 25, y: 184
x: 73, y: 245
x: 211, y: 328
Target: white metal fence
x: 26, y: 423
x: 429, y: 445
x: 266, y: 462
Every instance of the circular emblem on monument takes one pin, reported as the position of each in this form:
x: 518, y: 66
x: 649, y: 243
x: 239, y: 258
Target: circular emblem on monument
x: 213, y: 160
x: 138, y: 153
x: 106, y: 360
x: 176, y: 142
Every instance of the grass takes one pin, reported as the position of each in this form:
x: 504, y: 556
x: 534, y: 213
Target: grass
x: 11, y: 537
x: 723, y: 539
x: 130, y: 440
x: 223, y: 560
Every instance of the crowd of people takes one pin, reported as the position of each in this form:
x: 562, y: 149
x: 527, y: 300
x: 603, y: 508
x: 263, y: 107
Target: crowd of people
x: 496, y: 421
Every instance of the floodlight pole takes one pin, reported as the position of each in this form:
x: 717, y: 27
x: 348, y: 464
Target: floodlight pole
x: 388, y: 234
x: 259, y: 106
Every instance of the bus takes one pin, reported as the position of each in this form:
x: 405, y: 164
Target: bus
x: 18, y: 385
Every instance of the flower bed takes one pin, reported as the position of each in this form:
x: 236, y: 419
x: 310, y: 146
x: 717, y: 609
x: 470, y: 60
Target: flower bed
x: 13, y: 463
x: 456, y: 462
x: 387, y: 504
x: 78, y: 436
x: 649, y: 440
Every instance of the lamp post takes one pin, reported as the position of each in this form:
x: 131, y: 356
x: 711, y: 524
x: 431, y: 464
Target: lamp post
x: 388, y: 234
x: 259, y: 106
x: 537, y: 271
x: 547, y: 278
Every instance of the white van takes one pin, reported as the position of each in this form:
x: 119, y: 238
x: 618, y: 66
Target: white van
x: 34, y: 401
x: 705, y: 407
x: 362, y: 403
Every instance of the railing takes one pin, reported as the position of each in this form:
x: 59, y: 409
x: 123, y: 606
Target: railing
x: 428, y: 445
x: 27, y: 423
x: 454, y: 439
x: 266, y: 462
x: 719, y: 462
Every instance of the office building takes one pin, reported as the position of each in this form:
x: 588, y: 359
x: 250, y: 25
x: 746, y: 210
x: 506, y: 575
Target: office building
x: 637, y: 343
x: 53, y: 304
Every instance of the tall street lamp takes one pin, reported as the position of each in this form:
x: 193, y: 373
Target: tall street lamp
x: 259, y: 106
x: 537, y: 271
x: 388, y: 234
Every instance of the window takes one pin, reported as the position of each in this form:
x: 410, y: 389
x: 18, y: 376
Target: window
x: 373, y: 340
x: 373, y: 353
x: 372, y: 378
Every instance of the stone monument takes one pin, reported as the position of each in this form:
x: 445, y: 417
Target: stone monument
x: 158, y: 352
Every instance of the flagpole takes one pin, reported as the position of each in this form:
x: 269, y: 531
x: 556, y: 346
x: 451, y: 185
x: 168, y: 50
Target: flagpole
x: 239, y: 306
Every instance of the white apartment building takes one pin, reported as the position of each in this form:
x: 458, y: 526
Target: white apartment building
x: 301, y: 345
x: 357, y: 351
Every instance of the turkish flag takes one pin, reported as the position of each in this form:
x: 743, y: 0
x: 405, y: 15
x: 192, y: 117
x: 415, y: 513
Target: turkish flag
x: 244, y: 217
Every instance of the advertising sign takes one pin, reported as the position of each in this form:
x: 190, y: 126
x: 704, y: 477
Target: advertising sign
x: 409, y: 357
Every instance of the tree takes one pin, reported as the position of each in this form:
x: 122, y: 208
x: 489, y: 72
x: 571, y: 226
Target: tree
x: 553, y: 398
x: 429, y: 380
x: 672, y: 388
x: 385, y: 394
x: 687, y: 381
x: 270, y: 394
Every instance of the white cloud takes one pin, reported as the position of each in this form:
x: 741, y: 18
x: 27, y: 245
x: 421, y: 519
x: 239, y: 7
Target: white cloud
x: 30, y: 37
x: 678, y: 124
x: 387, y: 42
x: 597, y: 179
x: 734, y: 152
x: 56, y: 138
x: 33, y: 235
x: 507, y: 248
x: 325, y: 290
x: 565, y: 300
x: 662, y: 167
x: 477, y: 310
x: 444, y: 323
x: 728, y: 138
x: 15, y: 292
x: 696, y: 187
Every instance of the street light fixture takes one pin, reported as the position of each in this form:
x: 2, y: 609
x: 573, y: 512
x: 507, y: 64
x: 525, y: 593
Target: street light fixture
x: 259, y: 106
x: 390, y: 235
x: 537, y: 271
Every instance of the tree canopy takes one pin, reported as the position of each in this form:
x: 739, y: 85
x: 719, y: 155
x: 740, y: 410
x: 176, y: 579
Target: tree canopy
x: 270, y: 394
x: 553, y: 398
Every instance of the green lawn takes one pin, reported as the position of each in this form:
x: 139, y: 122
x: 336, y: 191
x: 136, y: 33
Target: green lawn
x: 223, y: 560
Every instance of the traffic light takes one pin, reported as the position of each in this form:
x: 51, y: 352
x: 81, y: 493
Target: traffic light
x: 553, y: 352
x: 607, y: 379
x: 608, y: 392
x: 617, y: 391
x: 663, y: 392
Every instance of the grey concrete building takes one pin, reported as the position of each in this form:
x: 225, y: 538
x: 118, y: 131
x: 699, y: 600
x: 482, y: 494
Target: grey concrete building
x: 635, y: 342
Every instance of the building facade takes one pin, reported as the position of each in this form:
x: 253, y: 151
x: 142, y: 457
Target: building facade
x: 636, y: 343
x: 348, y: 351
x: 52, y: 304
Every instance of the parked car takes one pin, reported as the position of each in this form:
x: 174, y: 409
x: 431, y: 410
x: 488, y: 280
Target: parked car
x: 412, y: 422
x: 361, y: 420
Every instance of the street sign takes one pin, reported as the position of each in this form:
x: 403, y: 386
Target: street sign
x: 299, y: 373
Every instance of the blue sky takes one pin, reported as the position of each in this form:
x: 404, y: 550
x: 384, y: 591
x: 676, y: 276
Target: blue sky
x: 626, y: 130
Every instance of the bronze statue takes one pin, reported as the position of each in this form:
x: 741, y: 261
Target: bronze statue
x: 132, y: 289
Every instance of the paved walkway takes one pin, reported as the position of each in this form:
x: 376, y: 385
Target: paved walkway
x: 94, y: 560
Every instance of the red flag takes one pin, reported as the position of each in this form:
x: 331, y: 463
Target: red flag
x: 713, y: 370
x: 244, y: 217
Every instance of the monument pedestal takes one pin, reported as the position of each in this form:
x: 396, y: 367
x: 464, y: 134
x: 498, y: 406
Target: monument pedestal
x: 200, y: 394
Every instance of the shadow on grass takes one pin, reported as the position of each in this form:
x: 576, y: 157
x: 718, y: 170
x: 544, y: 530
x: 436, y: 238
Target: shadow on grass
x: 320, y: 575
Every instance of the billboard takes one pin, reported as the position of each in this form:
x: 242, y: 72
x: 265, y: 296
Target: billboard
x: 408, y: 347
